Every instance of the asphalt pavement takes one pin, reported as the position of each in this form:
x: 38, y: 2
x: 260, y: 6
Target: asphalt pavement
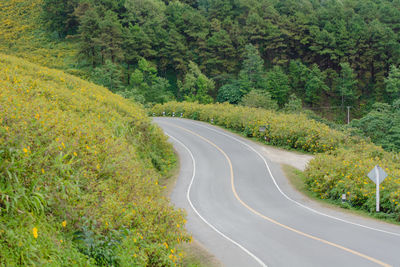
x: 242, y: 209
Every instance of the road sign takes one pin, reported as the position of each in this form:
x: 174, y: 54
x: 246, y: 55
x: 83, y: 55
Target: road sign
x: 377, y: 172
x: 377, y: 175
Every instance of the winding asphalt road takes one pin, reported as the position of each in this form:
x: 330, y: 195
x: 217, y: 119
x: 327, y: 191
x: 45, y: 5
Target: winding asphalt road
x: 242, y: 209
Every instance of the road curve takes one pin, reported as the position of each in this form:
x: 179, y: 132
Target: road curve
x: 241, y: 208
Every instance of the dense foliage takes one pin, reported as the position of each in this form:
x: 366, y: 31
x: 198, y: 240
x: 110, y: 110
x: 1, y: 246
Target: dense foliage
x: 341, y: 163
x: 382, y: 125
x: 328, y: 53
x: 293, y: 131
x: 79, y: 172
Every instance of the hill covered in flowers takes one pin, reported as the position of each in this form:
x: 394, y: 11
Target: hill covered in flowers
x: 79, y: 173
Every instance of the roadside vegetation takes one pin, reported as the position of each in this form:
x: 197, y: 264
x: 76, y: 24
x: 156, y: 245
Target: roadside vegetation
x: 79, y: 170
x: 82, y: 170
x: 293, y: 131
x: 342, y: 160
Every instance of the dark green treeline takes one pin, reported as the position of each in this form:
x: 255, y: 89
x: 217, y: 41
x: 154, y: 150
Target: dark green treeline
x: 327, y: 52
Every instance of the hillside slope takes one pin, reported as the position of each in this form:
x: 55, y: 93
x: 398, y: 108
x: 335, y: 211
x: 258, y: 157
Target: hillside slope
x: 22, y: 34
x: 79, y: 170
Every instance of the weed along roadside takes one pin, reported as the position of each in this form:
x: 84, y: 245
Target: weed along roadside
x: 341, y: 161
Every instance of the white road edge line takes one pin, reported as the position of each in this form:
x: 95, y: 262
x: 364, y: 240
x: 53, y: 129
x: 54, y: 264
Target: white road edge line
x: 290, y: 199
x: 198, y: 214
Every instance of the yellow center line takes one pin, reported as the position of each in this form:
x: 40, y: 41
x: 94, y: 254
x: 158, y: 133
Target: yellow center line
x: 272, y: 220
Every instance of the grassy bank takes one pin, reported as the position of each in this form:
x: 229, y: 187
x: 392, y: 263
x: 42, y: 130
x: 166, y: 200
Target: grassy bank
x: 79, y: 170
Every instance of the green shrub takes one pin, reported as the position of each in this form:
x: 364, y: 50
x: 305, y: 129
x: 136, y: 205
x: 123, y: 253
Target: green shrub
x: 259, y: 99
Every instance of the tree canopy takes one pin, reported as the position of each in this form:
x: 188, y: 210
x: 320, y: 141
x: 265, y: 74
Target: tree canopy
x: 327, y: 53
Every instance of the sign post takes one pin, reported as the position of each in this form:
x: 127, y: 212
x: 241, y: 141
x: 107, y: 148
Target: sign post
x: 377, y: 175
x: 377, y: 189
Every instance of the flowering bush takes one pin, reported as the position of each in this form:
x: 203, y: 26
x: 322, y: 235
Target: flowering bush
x: 345, y: 170
x: 287, y: 130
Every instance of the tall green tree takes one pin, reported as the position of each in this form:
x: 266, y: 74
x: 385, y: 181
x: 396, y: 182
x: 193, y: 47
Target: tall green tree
x: 277, y: 83
x: 196, y: 86
x: 392, y: 82
x: 110, y: 39
x: 59, y: 16
x: 315, y: 85
x: 136, y: 44
x: 345, y: 84
x: 252, y: 73
x: 298, y: 73
x: 109, y: 75
x: 145, y: 81
x: 89, y: 31
x: 220, y: 51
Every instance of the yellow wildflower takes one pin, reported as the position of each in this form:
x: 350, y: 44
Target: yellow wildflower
x: 35, y: 232
x: 64, y: 224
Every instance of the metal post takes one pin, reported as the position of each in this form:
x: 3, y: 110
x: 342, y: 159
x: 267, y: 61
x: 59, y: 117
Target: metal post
x: 348, y: 114
x: 377, y: 189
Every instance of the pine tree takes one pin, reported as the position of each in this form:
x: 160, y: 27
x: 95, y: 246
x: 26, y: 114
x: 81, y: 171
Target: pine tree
x: 59, y: 16
x: 252, y: 74
x: 392, y: 83
x: 110, y: 38
x: 277, y: 83
x: 345, y: 84
x: 315, y: 85
x: 89, y: 30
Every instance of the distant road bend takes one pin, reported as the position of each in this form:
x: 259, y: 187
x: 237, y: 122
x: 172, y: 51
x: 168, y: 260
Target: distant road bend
x: 242, y: 209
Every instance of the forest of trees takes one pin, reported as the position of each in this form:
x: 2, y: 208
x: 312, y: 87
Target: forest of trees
x: 327, y: 53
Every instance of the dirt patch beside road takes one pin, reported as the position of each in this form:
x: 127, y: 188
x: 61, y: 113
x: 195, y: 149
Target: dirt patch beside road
x: 295, y: 159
